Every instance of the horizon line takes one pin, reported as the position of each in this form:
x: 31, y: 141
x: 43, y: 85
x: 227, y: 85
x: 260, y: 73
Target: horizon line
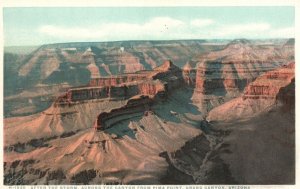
x: 143, y: 40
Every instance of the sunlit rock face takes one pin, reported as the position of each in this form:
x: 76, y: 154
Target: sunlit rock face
x: 270, y: 89
x: 223, y: 75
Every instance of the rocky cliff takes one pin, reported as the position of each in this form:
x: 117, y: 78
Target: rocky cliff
x: 158, y: 81
x: 130, y: 144
x: 223, y: 75
x: 249, y: 140
x: 269, y: 84
x: 75, y: 64
x: 270, y: 89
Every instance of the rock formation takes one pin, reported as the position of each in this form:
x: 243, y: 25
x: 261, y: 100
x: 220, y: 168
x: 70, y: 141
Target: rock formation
x: 159, y: 81
x: 223, y: 75
x: 260, y: 95
x: 154, y: 123
x: 189, y: 74
x: 74, y: 64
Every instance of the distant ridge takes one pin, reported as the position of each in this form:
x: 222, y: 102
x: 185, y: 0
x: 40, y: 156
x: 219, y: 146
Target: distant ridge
x: 127, y: 44
x: 20, y: 49
x: 240, y: 42
x: 290, y: 41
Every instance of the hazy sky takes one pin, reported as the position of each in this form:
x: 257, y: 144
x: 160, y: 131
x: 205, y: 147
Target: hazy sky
x: 36, y: 26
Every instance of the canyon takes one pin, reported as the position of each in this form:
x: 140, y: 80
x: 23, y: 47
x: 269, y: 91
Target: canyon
x: 48, y: 70
x: 173, y: 112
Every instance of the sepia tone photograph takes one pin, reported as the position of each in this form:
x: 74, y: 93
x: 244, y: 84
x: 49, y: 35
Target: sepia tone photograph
x: 149, y: 95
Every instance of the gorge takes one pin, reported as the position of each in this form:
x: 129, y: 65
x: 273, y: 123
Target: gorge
x: 175, y: 112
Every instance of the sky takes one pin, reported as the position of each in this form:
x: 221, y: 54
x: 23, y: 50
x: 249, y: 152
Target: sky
x: 37, y: 26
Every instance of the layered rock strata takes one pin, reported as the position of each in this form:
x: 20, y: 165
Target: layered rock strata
x: 135, y: 107
x: 273, y: 88
x: 223, y: 75
x: 159, y: 81
x: 269, y: 84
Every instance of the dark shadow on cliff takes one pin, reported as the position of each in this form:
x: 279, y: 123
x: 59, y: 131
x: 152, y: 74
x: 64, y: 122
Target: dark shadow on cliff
x: 173, y: 109
x: 260, y: 150
x: 121, y: 128
x: 176, y: 107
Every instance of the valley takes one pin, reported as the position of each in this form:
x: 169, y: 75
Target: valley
x: 151, y: 112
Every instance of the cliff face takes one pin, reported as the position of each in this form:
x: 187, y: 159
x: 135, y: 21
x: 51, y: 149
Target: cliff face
x: 219, y: 77
x: 286, y: 96
x: 134, y: 135
x: 135, y: 107
x: 224, y: 74
x: 116, y: 80
x: 214, y: 76
x: 123, y: 91
x: 162, y: 79
x: 269, y: 84
x: 76, y: 64
x: 104, y: 59
x: 159, y: 81
x: 274, y: 88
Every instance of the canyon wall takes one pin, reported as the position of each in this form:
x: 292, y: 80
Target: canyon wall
x: 269, y: 84
x: 123, y: 91
x: 77, y: 64
x: 116, y: 80
x: 272, y: 89
x: 134, y: 107
x: 161, y: 80
x: 224, y: 74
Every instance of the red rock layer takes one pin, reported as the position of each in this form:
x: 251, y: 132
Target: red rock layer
x: 275, y: 88
x: 150, y: 88
x: 269, y: 84
x: 116, y: 80
x: 159, y: 81
x: 239, y: 63
x: 226, y: 77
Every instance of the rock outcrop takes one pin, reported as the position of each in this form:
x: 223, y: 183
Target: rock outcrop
x: 75, y: 64
x: 92, y: 100
x: 273, y: 88
x: 222, y: 75
x: 159, y: 81
x: 129, y: 145
x: 189, y: 74
x: 269, y: 84
x: 136, y: 106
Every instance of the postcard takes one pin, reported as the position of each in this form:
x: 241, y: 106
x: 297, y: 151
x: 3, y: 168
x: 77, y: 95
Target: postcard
x: 195, y: 97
